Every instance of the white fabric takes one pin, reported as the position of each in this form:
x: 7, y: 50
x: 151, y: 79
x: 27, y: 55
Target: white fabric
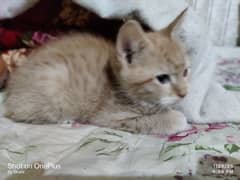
x: 219, y: 103
x: 207, y: 101
x: 156, y: 13
x: 11, y: 8
x: 222, y: 18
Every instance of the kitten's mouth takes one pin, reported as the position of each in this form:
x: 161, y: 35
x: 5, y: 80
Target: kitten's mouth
x: 169, y: 101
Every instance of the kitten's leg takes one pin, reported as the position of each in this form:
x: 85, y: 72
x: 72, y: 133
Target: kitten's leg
x: 30, y: 108
x: 167, y: 122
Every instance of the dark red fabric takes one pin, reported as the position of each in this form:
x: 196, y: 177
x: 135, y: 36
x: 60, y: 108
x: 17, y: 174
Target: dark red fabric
x: 9, y: 38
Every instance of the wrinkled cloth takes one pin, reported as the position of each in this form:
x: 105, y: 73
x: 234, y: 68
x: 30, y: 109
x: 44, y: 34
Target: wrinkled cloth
x: 91, y: 151
x: 207, y: 101
x: 156, y: 13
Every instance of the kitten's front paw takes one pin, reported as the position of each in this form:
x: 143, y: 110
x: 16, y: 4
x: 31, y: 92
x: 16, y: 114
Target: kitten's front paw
x: 175, y: 122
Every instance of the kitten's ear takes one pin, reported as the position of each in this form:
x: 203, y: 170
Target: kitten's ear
x: 131, y: 39
x: 169, y: 29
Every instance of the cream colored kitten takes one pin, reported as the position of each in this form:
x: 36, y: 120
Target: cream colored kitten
x: 129, y: 86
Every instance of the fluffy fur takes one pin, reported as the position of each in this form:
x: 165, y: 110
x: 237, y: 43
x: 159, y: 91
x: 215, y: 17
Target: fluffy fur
x: 129, y: 86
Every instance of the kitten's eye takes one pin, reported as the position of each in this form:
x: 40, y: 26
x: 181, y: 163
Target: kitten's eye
x: 185, y: 72
x: 164, y: 78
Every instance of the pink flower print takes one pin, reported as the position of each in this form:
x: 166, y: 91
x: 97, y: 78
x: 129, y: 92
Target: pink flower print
x: 232, y: 139
x: 76, y: 124
x: 182, y: 135
x: 216, y: 126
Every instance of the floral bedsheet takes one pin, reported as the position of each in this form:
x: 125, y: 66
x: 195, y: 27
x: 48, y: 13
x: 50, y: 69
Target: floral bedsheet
x: 228, y: 73
x: 72, y: 149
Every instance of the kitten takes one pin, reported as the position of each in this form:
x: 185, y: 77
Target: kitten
x: 131, y: 86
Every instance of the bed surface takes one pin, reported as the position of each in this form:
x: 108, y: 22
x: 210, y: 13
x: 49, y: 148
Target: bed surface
x: 91, y: 151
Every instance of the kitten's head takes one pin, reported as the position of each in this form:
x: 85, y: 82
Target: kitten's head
x: 152, y: 68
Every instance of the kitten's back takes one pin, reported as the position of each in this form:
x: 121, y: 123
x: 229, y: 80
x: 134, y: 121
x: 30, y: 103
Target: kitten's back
x: 61, y: 80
